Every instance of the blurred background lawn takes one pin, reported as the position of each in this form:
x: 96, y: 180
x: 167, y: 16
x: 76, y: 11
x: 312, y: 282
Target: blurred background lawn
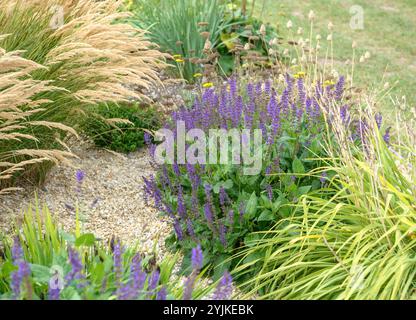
x: 388, y: 34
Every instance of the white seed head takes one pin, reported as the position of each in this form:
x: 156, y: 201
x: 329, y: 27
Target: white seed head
x: 207, y: 45
x: 271, y: 52
x: 263, y: 29
x: 367, y: 55
x: 275, y: 42
x: 311, y: 15
x: 330, y: 26
x: 285, y: 52
x: 300, y: 30
x: 303, y: 58
x: 335, y: 73
x: 318, y: 37
x: 386, y: 85
x: 354, y: 44
x: 329, y: 37
x: 289, y: 24
x: 247, y: 46
x: 362, y: 59
x: 294, y: 61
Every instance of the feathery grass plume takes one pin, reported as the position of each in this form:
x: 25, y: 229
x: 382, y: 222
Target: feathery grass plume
x: 354, y: 239
x: 86, y: 49
x: 18, y: 102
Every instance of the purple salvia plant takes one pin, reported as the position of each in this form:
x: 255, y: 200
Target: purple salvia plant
x: 178, y: 229
x: 181, y: 203
x: 147, y: 138
x: 224, y: 199
x: 21, y: 275
x: 269, y: 190
x: 138, y: 276
x: 80, y: 175
x: 190, y: 228
x: 162, y: 294
x: 118, y: 264
x: 386, y: 136
x: 76, y: 267
x: 339, y: 88
x: 301, y: 92
x: 208, y: 215
x: 197, y: 258
x: 379, y: 120
x: 54, y: 293
x: 153, y: 282
x: 224, y: 289
x: 323, y: 177
x: 223, y: 234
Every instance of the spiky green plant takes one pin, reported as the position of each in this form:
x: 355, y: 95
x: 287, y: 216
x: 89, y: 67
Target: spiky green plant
x: 176, y: 26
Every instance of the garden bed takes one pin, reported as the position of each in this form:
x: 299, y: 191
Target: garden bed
x: 111, y: 194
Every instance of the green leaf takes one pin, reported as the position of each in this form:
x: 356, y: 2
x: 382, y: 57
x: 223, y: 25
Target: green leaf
x: 266, y: 215
x: 41, y: 274
x: 222, y: 265
x: 297, y: 166
x: 250, y: 239
x: 251, y: 206
x: 87, y: 239
x: 303, y: 190
x: 7, y: 268
x: 228, y: 184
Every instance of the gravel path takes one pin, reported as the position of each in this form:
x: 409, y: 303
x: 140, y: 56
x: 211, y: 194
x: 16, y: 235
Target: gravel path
x: 111, y: 196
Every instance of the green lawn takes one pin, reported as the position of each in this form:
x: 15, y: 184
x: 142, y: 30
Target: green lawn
x: 388, y: 34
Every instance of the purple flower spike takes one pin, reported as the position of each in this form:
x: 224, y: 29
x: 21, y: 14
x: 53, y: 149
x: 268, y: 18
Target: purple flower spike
x: 339, y: 88
x: 323, y: 177
x: 178, y: 229
x: 153, y: 281
x: 118, y: 264
x: 80, y: 175
x: 181, y: 203
x: 147, y: 138
x: 223, y: 234
x: 269, y: 192
x: 197, y: 258
x: 224, y: 289
x: 22, y: 273
x: 54, y: 293
x: 162, y: 294
x: 208, y: 214
x: 386, y: 136
x: 379, y: 120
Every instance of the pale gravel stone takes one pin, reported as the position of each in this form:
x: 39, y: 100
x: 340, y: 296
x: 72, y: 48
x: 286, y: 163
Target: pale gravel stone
x: 116, y: 180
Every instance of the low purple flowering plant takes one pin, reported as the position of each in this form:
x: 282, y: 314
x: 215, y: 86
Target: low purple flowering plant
x: 221, y: 204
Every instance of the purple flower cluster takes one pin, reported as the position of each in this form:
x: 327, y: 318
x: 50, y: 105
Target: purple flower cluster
x: 224, y: 289
x: 189, y: 193
x: 22, y: 274
x: 75, y: 274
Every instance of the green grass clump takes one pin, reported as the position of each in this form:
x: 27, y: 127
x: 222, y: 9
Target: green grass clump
x: 121, y: 128
x: 354, y: 239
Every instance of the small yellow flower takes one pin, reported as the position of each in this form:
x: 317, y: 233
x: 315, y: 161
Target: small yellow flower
x: 207, y: 84
x: 299, y: 75
x: 179, y: 60
x: 197, y: 75
x: 177, y: 56
x: 329, y: 83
